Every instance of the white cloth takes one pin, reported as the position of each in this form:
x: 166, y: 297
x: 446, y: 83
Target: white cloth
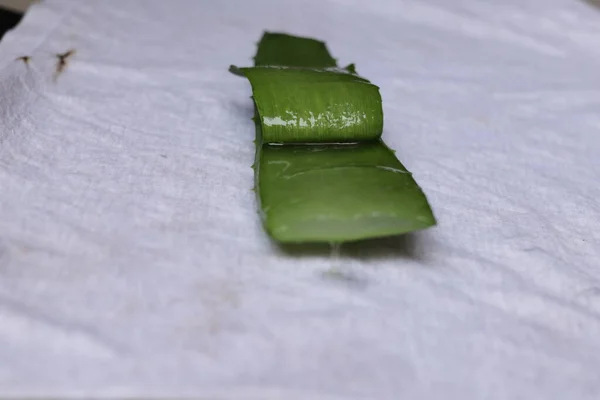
x: 133, y: 262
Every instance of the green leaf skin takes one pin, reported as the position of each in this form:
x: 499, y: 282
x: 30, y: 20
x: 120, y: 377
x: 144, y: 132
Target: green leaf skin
x: 315, y: 106
x: 337, y: 193
x: 292, y: 51
x: 330, y: 192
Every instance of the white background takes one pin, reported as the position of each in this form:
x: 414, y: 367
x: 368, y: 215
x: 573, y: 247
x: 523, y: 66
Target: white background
x: 132, y: 260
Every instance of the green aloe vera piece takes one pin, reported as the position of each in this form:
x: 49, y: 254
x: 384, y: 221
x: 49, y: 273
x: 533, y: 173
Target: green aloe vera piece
x: 292, y: 51
x: 329, y: 192
x: 338, y: 193
x: 312, y: 106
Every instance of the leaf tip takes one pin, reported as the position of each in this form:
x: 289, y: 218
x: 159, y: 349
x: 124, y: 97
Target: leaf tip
x: 236, y: 70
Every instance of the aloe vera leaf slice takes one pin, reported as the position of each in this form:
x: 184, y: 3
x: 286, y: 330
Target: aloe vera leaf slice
x: 293, y: 51
x: 315, y: 106
x: 336, y: 193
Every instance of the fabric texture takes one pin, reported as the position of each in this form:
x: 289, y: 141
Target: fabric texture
x: 132, y: 260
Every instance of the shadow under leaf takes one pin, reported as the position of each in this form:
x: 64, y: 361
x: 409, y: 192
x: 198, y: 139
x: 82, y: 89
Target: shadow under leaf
x: 409, y: 246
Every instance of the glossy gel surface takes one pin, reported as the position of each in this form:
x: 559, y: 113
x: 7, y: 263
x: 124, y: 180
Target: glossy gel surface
x: 315, y: 106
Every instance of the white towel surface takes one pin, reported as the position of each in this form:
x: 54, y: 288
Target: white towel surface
x: 133, y: 262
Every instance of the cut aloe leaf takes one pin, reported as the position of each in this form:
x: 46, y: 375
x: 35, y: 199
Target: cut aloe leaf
x: 338, y: 193
x: 329, y: 192
x: 315, y: 106
x: 292, y: 51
